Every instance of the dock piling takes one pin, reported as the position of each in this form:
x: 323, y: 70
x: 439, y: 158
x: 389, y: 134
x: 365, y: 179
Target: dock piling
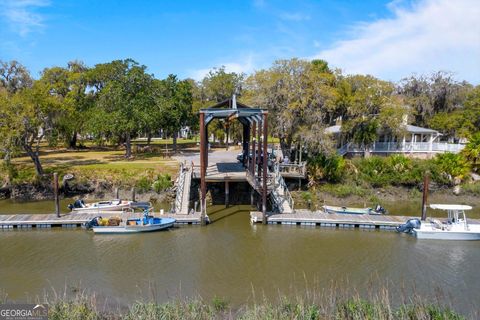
x: 227, y: 191
x: 426, y: 180
x: 117, y: 193
x: 133, y: 194
x: 55, y: 194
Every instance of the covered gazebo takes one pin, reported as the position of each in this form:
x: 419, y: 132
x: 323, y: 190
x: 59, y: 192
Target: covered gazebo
x: 254, y: 142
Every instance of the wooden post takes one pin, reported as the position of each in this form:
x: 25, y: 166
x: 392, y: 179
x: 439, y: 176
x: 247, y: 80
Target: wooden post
x: 203, y: 184
x: 254, y: 153
x: 117, y: 193
x: 227, y: 191
x: 426, y: 180
x: 55, y: 194
x: 245, y: 145
x: 260, y: 147
x: 264, y: 170
x: 133, y: 194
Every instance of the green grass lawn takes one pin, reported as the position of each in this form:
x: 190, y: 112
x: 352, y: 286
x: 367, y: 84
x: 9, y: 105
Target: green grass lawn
x: 98, y: 165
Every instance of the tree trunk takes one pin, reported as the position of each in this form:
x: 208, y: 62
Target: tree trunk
x: 128, y: 145
x: 72, y: 144
x: 149, y: 138
x: 284, y: 147
x: 175, y: 142
x: 35, y: 158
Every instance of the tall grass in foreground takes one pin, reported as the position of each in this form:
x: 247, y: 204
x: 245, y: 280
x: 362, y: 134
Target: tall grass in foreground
x: 333, y: 303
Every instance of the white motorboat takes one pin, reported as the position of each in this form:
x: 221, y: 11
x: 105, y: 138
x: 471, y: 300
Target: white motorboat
x: 111, y: 205
x: 456, y: 227
x: 134, y: 225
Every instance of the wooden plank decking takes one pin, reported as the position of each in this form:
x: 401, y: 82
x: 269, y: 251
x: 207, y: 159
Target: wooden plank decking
x: 320, y: 218
x: 72, y: 220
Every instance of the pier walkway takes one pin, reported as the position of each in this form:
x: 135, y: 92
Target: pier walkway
x: 183, y: 185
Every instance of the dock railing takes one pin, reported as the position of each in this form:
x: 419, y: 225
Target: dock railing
x: 180, y: 186
x: 299, y: 169
x: 279, y: 183
x: 257, y: 182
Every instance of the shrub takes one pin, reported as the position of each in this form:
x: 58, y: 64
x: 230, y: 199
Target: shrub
x: 452, y: 165
x: 143, y: 184
x: 162, y: 183
x: 330, y: 168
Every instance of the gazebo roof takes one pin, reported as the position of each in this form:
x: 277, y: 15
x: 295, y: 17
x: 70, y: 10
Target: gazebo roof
x: 231, y: 109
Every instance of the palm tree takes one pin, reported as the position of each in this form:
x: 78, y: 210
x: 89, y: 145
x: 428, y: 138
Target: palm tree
x: 472, y: 150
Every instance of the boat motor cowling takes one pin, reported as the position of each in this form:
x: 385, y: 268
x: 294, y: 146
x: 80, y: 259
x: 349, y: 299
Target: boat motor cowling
x: 408, y: 226
x: 77, y: 204
x: 380, y: 209
x: 92, y: 223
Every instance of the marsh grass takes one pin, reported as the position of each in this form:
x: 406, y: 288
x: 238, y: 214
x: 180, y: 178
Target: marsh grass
x: 336, y: 302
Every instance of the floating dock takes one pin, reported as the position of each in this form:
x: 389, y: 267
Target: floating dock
x: 75, y: 220
x: 333, y: 220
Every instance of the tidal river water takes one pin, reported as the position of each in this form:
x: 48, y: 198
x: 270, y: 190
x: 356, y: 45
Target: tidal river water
x: 235, y: 260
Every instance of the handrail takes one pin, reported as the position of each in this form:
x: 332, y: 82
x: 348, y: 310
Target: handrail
x: 179, y: 192
x: 300, y: 168
x: 280, y: 183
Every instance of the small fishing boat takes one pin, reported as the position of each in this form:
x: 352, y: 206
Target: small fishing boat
x: 111, y: 205
x: 133, y: 225
x: 348, y: 210
x: 455, y: 227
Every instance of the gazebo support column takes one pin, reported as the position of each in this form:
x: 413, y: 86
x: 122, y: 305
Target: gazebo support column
x: 246, y: 142
x: 259, y: 155
x: 264, y: 171
x: 203, y: 162
x: 254, y: 154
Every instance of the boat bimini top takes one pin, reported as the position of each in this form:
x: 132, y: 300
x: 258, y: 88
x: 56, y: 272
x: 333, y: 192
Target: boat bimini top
x: 450, y: 207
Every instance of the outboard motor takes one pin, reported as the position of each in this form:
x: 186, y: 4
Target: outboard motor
x: 92, y: 223
x: 380, y: 209
x: 77, y: 204
x: 408, y: 226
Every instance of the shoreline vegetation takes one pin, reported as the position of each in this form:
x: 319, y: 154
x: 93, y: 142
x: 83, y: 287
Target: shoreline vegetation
x: 98, y: 172
x: 329, y: 303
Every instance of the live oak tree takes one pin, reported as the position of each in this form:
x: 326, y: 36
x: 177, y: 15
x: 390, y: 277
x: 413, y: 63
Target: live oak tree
x: 124, y: 97
x: 174, y: 98
x: 29, y: 111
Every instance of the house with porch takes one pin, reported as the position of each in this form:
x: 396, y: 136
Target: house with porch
x: 416, y: 142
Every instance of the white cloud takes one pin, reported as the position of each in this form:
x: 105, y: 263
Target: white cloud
x: 244, y: 65
x: 21, y: 15
x: 429, y: 36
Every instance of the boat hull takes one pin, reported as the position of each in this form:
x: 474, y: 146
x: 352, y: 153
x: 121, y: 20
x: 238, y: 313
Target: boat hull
x: 126, y: 229
x: 446, y: 235
x: 346, y: 210
x: 119, y: 207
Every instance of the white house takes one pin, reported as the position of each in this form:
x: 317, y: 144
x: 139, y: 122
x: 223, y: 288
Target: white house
x: 417, y: 141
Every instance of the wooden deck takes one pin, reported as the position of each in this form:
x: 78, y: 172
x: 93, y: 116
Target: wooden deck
x: 74, y: 220
x: 218, y: 172
x: 322, y: 219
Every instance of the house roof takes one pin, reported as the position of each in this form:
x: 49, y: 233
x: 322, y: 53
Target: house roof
x: 415, y: 129
x: 412, y: 129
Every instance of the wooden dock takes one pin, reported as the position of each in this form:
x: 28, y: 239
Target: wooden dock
x: 75, y: 220
x: 322, y: 219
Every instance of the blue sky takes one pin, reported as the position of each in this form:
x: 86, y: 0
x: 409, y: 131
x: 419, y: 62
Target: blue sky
x: 390, y: 40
